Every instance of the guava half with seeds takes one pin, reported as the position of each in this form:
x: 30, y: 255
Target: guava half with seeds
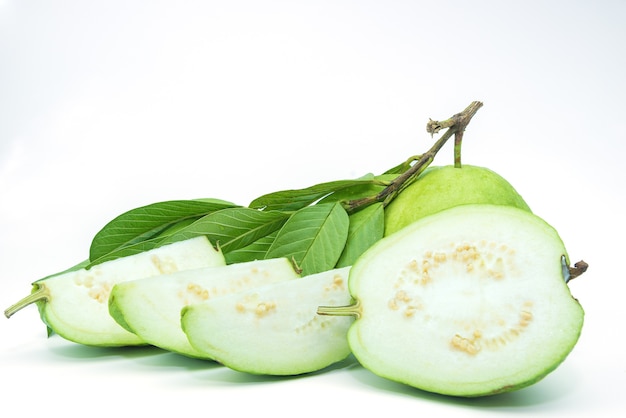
x: 470, y: 301
x: 75, y: 304
x: 150, y: 308
x: 442, y: 187
x: 274, y: 329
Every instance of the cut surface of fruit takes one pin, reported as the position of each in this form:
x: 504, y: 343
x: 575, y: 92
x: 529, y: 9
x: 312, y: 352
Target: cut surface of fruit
x: 274, y: 329
x: 76, y: 304
x: 470, y: 301
x: 443, y: 187
x: 151, y: 307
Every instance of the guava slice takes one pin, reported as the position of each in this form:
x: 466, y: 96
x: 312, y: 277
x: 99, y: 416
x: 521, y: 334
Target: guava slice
x: 75, y: 304
x: 150, y: 308
x: 274, y: 329
x: 470, y: 301
x: 443, y: 187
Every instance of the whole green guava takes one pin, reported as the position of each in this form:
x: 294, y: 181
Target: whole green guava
x: 443, y: 187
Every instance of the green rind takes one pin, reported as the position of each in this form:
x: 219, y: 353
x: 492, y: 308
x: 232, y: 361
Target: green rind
x: 116, y: 313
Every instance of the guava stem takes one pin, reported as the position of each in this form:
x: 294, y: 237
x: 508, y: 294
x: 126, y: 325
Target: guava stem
x: 458, y: 139
x: 347, y: 310
x: 456, y: 126
x: 40, y: 294
x: 579, y: 268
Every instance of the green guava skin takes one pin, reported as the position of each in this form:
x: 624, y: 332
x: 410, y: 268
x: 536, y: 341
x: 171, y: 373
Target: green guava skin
x: 443, y: 187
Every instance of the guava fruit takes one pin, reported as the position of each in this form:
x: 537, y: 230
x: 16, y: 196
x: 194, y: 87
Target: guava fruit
x: 274, y: 329
x: 470, y: 301
x: 74, y: 305
x: 443, y: 187
x: 150, y: 308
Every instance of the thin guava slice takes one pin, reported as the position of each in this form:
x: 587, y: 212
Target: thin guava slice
x: 443, y: 187
x: 274, y: 329
x: 74, y: 305
x: 150, y: 308
x: 470, y: 301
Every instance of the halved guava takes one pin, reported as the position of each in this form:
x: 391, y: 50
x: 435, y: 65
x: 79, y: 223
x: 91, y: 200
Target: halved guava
x: 274, y: 329
x: 470, y: 301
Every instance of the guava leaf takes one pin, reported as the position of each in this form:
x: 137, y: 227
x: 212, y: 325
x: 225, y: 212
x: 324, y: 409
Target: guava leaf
x: 403, y: 166
x: 233, y: 228
x: 313, y: 237
x: 149, y: 221
x: 367, y: 226
x: 292, y: 200
x: 252, y: 252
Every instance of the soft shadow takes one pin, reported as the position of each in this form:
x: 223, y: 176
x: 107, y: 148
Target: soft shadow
x: 179, y: 361
x: 146, y: 355
x: 83, y: 352
x: 224, y: 375
x: 549, y: 390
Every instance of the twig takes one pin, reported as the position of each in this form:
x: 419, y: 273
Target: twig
x: 455, y: 126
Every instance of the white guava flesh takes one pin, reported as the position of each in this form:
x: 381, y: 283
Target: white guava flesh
x: 274, y: 329
x: 76, y: 305
x: 151, y: 307
x: 470, y: 301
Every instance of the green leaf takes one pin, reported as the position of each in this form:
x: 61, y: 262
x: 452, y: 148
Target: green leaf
x: 233, y: 228
x: 360, y: 190
x: 313, y: 237
x: 292, y: 200
x: 367, y: 226
x: 149, y: 221
x: 255, y: 251
x: 403, y: 166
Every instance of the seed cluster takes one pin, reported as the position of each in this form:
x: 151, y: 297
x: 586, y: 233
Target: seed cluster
x: 264, y: 309
x: 337, y: 284
x: 402, y: 300
x: 164, y: 265
x: 477, y: 341
x: 259, y: 309
x: 96, y: 289
x: 100, y: 290
x: 195, y: 292
x: 470, y: 346
x: 485, y: 260
x: 198, y: 291
x: 316, y: 322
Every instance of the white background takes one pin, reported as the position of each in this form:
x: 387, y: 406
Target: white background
x: 110, y: 105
